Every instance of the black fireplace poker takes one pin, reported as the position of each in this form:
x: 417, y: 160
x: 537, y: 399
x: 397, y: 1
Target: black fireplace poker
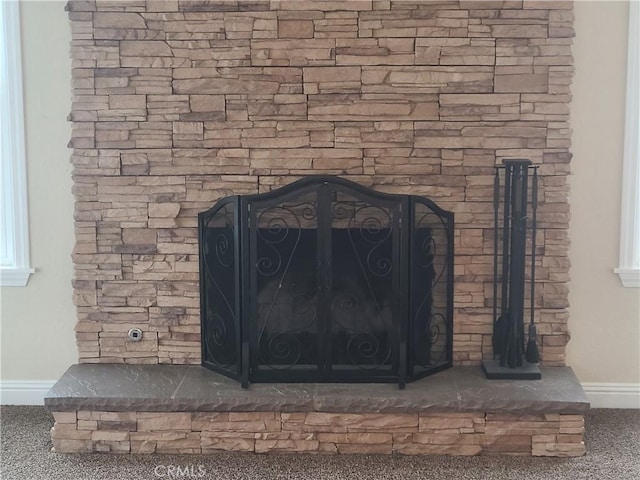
x: 511, y: 360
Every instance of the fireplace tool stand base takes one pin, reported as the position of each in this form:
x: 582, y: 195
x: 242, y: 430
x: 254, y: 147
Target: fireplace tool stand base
x: 493, y: 371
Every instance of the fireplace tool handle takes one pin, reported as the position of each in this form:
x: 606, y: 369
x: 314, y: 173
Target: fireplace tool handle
x: 496, y: 208
x: 532, y: 355
x: 501, y: 325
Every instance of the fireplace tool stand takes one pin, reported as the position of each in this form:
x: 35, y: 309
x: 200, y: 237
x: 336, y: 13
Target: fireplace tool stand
x: 511, y: 358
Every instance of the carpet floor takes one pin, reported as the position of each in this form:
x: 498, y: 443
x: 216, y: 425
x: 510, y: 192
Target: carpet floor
x: 612, y: 438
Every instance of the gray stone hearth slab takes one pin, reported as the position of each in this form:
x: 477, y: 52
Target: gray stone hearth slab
x: 105, y: 386
x: 119, y: 387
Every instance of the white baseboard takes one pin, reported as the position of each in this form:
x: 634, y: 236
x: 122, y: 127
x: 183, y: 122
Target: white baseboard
x: 613, y: 395
x: 24, y: 392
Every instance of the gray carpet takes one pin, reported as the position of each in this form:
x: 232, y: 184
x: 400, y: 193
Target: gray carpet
x: 612, y: 437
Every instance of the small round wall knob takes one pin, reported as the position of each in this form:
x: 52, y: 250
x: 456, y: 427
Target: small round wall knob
x: 135, y: 334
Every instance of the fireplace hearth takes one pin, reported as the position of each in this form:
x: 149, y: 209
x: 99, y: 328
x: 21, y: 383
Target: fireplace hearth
x: 325, y: 280
x: 177, y: 104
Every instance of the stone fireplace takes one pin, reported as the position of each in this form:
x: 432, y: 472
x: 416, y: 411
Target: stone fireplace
x: 180, y: 103
x: 177, y: 104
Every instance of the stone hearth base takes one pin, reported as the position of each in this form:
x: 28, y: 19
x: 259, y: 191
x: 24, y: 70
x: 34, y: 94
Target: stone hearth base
x: 318, y: 432
x: 187, y: 409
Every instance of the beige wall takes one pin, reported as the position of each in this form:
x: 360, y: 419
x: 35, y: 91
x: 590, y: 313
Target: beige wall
x: 37, y: 321
x: 605, y: 317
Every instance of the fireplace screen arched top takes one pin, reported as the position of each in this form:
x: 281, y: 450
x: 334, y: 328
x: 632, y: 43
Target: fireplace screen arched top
x: 325, y: 280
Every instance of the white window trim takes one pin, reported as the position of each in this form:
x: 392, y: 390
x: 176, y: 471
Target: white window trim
x: 629, y: 269
x: 14, y: 271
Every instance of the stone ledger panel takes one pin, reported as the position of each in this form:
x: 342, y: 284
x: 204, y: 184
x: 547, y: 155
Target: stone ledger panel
x: 473, y: 433
x: 179, y: 103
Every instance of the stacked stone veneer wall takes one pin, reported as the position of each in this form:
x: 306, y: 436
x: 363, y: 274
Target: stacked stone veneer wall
x: 273, y: 432
x: 178, y: 103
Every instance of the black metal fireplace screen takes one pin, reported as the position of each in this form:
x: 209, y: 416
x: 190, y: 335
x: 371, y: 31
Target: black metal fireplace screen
x: 325, y: 280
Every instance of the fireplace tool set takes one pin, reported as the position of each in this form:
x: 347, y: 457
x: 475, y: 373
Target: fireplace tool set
x: 513, y: 358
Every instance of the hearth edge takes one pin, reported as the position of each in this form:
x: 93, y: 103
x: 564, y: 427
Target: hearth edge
x: 118, y: 387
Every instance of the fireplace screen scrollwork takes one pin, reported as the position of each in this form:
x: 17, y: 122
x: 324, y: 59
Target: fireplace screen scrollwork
x: 326, y: 281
